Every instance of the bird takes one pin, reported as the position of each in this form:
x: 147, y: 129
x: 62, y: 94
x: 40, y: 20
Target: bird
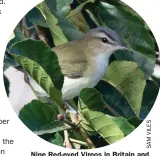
x: 84, y: 61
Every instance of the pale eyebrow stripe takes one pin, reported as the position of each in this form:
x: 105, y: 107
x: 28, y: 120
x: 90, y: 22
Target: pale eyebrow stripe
x: 108, y: 35
x: 99, y: 38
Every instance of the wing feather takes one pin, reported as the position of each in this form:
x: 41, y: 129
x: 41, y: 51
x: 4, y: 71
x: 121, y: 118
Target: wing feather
x: 73, y: 63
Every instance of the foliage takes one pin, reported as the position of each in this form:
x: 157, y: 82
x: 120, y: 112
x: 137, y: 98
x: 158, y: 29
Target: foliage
x: 119, y: 102
x: 6, y: 84
x: 130, y: 82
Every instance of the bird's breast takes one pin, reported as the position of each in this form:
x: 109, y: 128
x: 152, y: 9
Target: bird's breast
x: 100, y: 64
x: 72, y: 87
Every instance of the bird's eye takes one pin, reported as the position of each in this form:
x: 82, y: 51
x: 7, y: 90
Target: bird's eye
x: 104, y: 40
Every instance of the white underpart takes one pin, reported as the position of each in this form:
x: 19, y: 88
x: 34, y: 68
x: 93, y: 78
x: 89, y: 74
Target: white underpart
x: 21, y: 93
x: 72, y: 87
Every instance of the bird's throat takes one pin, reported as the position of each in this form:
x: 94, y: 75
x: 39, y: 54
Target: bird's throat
x: 99, y: 66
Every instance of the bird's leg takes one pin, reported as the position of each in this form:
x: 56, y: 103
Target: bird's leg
x: 73, y: 115
x: 74, y: 118
x: 70, y: 108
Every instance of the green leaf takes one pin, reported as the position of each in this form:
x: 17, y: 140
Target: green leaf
x: 87, y: 126
x: 92, y: 99
x: 70, y: 30
x: 39, y: 52
x: 19, y: 36
x: 98, y: 121
x: 52, y: 127
x: 95, y: 21
x: 114, y: 99
x: 98, y: 104
x: 63, y: 6
x: 143, y: 62
x: 37, y: 114
x: 36, y: 17
x: 8, y: 61
x: 59, y: 6
x: 149, y: 97
x: 124, y: 125
x: 6, y: 84
x: 57, y: 140
x: 80, y: 22
x: 103, y: 125
x: 53, y: 24
x: 134, y: 121
x: 40, y: 76
x: 132, y: 33
x: 128, y: 79
x: 130, y: 28
x: 79, y: 8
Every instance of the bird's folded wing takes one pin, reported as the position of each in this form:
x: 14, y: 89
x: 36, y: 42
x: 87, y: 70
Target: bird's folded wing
x: 72, y: 62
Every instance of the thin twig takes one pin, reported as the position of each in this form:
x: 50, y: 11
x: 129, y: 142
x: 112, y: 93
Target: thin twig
x: 41, y: 34
x: 31, y: 27
x: 66, y: 140
x: 82, y: 131
x: 78, y: 142
x: 24, y: 28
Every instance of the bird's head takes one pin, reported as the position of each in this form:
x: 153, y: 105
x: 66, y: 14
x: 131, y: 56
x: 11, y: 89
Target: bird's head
x: 103, y: 41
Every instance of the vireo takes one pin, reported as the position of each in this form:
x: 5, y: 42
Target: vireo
x: 84, y: 62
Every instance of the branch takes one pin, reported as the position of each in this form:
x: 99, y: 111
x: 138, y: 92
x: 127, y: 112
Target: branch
x: 24, y: 28
x: 41, y: 34
x: 66, y: 140
x: 78, y: 142
x: 82, y: 131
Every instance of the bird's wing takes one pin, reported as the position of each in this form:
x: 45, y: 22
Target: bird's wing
x: 72, y: 63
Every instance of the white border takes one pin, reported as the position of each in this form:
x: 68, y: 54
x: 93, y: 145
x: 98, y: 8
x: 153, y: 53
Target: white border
x: 25, y: 140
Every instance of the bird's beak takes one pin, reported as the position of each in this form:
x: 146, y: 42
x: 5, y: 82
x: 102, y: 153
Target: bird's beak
x: 124, y: 48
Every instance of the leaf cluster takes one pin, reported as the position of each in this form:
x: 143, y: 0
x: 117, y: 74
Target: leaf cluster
x: 119, y: 102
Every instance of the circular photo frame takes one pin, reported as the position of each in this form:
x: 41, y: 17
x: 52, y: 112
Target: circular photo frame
x: 81, y: 74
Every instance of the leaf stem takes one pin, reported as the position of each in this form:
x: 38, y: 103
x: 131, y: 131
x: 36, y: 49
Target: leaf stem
x: 108, y: 107
x: 82, y: 131
x: 41, y: 34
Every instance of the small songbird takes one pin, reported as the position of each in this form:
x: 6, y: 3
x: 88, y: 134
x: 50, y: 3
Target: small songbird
x: 84, y: 62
